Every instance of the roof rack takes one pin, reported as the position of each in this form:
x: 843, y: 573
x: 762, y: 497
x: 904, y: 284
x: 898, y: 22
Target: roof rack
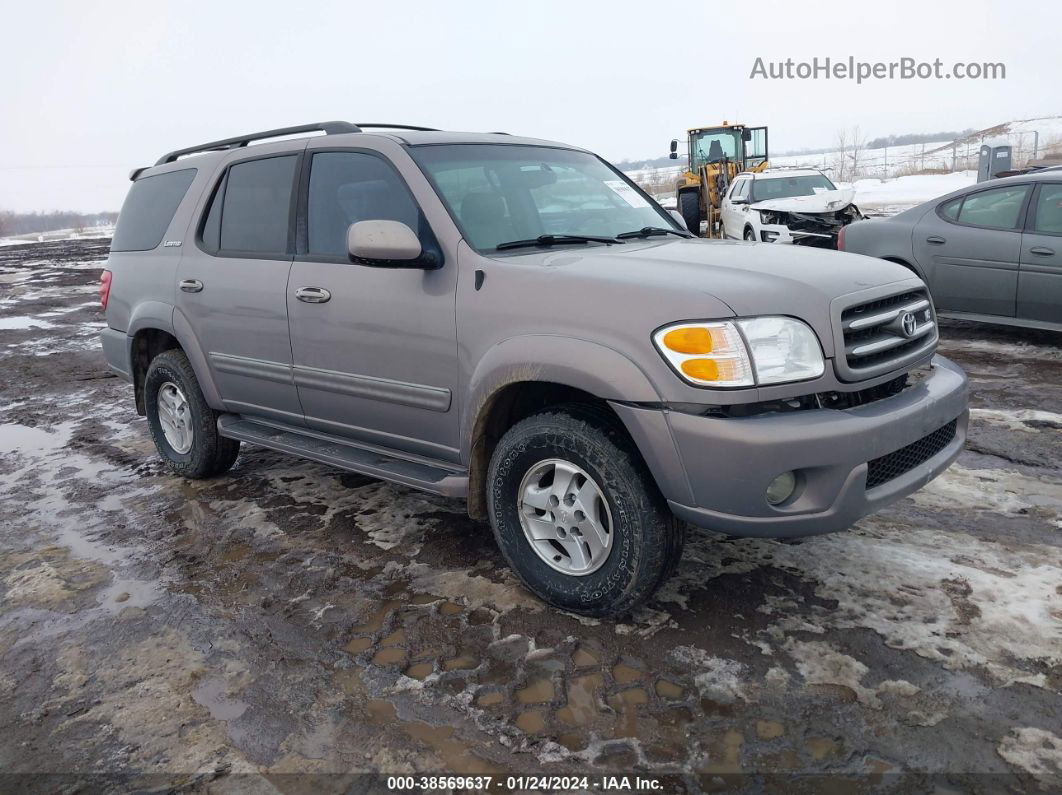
x: 327, y: 127
x: 398, y: 127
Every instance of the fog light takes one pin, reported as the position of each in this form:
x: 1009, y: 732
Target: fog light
x: 768, y: 237
x: 781, y: 488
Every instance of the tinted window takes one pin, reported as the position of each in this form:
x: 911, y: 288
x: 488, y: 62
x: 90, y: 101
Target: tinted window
x: 950, y: 210
x: 1049, y: 209
x: 740, y: 189
x: 250, y: 210
x: 148, y: 210
x: 998, y: 207
x: 346, y: 187
x: 212, y: 227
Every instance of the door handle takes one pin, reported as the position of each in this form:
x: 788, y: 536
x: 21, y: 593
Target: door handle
x: 313, y: 295
x: 191, y: 286
x: 936, y: 241
x: 1042, y: 251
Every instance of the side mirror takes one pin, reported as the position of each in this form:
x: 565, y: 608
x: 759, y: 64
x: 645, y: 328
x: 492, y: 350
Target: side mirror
x: 674, y: 149
x: 383, y: 243
x: 680, y: 220
x: 739, y: 200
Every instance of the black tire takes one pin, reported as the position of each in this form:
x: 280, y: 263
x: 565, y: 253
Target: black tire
x: 690, y: 210
x: 210, y: 453
x: 647, y: 539
x: 750, y: 236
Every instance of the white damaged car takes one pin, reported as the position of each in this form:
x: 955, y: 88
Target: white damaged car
x: 800, y: 206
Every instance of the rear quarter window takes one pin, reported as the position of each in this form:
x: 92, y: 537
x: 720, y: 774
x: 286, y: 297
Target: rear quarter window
x: 149, y: 208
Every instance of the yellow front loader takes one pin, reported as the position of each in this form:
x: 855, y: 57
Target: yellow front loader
x: 715, y: 156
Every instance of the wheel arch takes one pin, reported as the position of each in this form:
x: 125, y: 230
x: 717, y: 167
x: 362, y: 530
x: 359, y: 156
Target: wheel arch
x: 907, y: 264
x: 154, y: 329
x: 505, y: 388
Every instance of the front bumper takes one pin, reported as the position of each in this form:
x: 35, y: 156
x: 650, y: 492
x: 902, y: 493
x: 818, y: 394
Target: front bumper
x: 727, y: 463
x: 780, y: 233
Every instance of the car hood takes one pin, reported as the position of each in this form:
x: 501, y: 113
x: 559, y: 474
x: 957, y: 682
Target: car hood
x: 829, y: 201
x: 672, y: 280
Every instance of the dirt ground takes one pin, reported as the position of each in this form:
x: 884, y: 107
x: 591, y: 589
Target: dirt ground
x: 288, y: 618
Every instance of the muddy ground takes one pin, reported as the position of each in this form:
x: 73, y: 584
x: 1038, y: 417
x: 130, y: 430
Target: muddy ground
x: 290, y: 618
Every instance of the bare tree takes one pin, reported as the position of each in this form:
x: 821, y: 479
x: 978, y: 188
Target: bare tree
x: 857, y: 144
x: 849, y: 159
x: 840, y: 157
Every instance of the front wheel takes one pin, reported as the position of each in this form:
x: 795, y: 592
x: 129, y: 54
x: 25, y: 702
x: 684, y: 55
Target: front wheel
x: 183, y: 426
x: 750, y: 236
x: 577, y: 514
x: 689, y: 208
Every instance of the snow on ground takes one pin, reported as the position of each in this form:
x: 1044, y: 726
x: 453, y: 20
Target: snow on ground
x: 893, y: 195
x: 878, y: 196
x: 88, y: 233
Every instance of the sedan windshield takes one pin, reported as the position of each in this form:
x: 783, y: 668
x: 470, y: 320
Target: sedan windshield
x: 502, y: 194
x: 788, y: 187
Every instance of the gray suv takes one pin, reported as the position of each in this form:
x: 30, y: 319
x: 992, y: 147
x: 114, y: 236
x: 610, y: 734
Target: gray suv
x: 513, y: 322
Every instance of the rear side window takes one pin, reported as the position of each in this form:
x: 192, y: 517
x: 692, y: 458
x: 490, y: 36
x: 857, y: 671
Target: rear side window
x: 251, y: 209
x: 950, y: 210
x: 997, y: 208
x: 149, y: 208
x: 1049, y: 210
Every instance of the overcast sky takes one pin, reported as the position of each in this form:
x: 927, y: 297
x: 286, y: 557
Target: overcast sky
x: 91, y: 90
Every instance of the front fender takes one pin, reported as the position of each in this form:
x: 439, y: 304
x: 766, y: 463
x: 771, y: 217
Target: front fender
x: 581, y: 364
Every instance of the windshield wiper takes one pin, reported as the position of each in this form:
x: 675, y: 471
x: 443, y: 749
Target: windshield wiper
x: 647, y: 231
x: 549, y: 240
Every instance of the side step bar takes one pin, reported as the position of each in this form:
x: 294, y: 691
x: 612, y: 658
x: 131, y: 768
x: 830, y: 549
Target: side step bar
x: 437, y: 477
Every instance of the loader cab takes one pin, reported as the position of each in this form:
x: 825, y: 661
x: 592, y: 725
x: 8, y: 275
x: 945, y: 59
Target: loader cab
x: 736, y: 143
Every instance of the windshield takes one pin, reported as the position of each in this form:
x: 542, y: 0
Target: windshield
x: 787, y: 187
x: 711, y: 147
x: 500, y: 193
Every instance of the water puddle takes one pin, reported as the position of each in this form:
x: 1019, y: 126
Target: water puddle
x: 211, y: 693
x: 23, y: 322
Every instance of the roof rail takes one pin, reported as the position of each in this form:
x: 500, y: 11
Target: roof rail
x: 327, y: 127
x: 399, y: 127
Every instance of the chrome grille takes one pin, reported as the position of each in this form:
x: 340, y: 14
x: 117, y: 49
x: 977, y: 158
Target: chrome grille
x: 887, y: 333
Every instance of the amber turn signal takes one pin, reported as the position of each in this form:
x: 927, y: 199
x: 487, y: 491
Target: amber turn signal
x: 691, y: 339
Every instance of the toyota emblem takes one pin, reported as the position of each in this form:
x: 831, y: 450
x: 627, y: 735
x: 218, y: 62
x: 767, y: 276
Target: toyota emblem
x: 909, y: 324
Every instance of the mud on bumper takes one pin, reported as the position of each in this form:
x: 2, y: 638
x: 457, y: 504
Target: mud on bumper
x: 900, y: 443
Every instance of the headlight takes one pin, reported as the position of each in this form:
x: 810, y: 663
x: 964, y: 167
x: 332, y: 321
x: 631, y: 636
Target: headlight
x: 783, y: 349
x: 754, y: 351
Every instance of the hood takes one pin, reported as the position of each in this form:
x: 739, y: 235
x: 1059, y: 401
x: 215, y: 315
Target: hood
x: 829, y: 201
x: 673, y: 280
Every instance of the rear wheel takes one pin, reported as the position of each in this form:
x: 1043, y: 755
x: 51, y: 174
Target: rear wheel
x: 690, y: 209
x: 577, y: 515
x: 183, y: 426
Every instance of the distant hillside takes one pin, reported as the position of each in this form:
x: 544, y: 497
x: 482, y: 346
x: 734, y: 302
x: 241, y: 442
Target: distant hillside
x: 12, y: 224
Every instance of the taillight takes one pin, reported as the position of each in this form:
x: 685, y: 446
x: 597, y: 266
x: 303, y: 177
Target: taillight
x: 105, y: 288
x: 840, y: 239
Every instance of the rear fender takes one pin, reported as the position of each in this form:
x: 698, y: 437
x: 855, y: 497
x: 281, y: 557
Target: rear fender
x: 182, y: 330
